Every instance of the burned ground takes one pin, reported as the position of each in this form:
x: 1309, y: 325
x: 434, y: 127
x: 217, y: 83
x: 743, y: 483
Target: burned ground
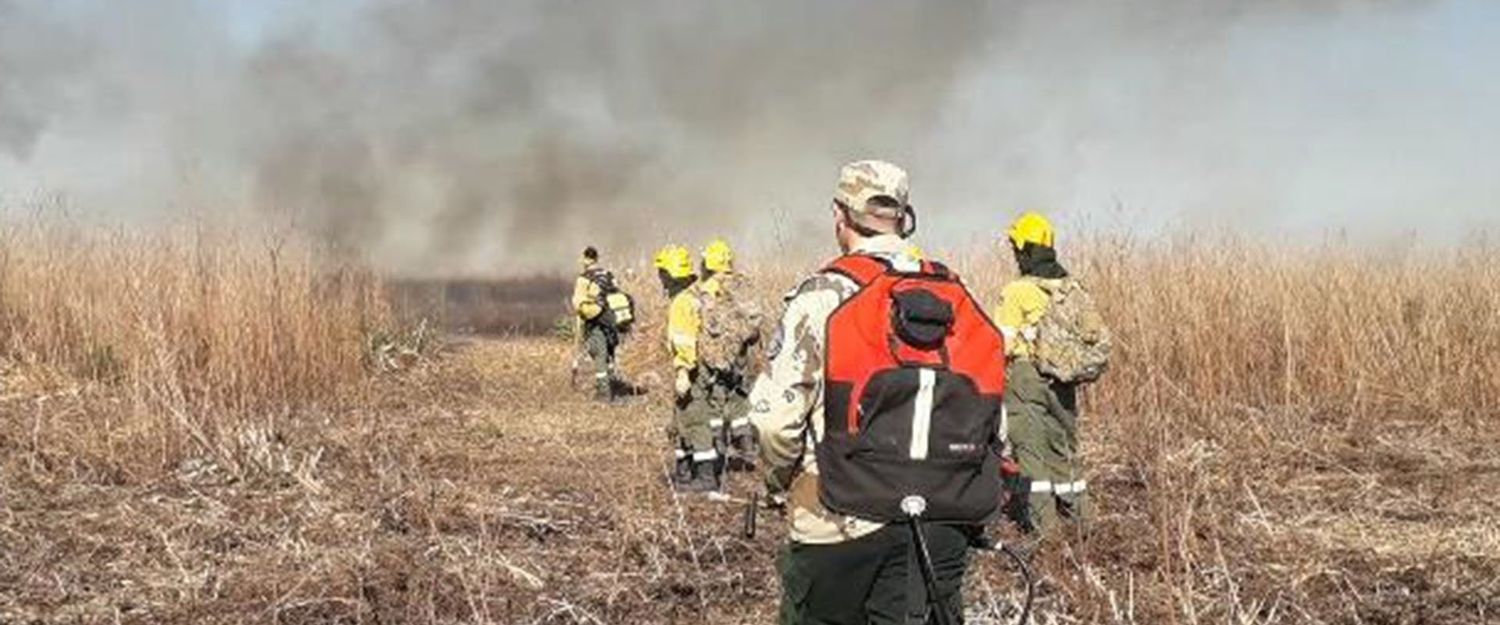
x: 529, y: 306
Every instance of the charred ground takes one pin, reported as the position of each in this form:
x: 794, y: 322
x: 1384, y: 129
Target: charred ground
x: 485, y: 306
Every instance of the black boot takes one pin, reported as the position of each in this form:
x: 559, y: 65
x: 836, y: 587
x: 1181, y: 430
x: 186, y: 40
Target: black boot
x: 745, y: 443
x: 682, y: 472
x: 705, y: 477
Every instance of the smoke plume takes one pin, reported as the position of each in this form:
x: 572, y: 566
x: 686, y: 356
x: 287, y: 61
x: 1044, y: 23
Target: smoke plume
x: 473, y: 136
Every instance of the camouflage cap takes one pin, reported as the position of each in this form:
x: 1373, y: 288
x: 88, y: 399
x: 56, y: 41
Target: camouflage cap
x: 862, y: 181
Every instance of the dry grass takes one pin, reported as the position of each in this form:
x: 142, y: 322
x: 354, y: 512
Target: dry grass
x: 1288, y: 436
x: 1303, y: 435
x: 195, y: 342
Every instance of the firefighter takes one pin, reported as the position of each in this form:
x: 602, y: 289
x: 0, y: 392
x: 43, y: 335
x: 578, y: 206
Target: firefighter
x: 1043, y: 421
x: 727, y: 389
x: 697, y: 458
x: 598, y: 337
x: 840, y: 568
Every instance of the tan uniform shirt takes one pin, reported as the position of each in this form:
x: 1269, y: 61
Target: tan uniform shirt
x: 787, y: 399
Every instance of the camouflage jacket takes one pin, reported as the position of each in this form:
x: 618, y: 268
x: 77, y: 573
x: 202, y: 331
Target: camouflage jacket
x: 787, y: 398
x: 730, y: 324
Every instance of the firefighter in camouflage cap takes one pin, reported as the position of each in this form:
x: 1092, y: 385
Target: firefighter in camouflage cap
x: 839, y: 568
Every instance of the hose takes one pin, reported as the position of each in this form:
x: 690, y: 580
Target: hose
x: 985, y: 543
x: 914, y: 507
x: 929, y: 577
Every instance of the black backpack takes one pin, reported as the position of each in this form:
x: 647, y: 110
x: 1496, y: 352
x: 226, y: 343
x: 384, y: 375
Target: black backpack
x: 618, y: 307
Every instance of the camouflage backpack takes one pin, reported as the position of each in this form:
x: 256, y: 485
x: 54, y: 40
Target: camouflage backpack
x: 1072, y: 340
x: 731, y: 324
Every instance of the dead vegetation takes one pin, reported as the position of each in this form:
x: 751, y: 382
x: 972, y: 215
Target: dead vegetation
x: 175, y: 344
x: 192, y: 431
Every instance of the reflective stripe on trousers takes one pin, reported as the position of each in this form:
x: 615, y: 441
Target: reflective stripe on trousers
x: 1058, y: 488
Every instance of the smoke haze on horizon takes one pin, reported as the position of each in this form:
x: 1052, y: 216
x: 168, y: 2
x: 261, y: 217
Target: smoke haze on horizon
x: 465, y: 135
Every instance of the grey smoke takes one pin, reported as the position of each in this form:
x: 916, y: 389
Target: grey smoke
x: 37, y: 57
x: 477, y: 136
x: 512, y: 131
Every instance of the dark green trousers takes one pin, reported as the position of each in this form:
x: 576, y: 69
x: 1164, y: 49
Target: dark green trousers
x: 1044, y: 436
x: 694, y: 412
x: 873, y: 579
x: 728, y: 411
x: 600, y: 343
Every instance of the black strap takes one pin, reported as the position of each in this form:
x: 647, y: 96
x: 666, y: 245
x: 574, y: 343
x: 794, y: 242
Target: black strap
x: 603, y: 279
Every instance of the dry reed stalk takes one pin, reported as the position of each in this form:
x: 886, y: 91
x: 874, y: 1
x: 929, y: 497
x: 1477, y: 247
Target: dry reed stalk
x: 208, y: 338
x: 1289, y: 435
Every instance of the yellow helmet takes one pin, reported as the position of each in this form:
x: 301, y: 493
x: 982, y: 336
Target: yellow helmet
x: 676, y: 260
x: 1031, y: 228
x: 718, y: 257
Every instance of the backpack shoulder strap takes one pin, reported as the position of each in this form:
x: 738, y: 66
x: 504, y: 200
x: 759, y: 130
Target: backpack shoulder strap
x: 862, y: 269
x: 1054, y: 286
x: 601, y: 277
x: 712, y: 288
x: 939, y: 270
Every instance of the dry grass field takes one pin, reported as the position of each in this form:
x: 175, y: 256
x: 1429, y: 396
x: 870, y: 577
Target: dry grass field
x: 200, y: 428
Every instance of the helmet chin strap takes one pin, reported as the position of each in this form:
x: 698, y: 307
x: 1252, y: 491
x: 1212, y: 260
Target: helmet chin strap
x: 909, y: 223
